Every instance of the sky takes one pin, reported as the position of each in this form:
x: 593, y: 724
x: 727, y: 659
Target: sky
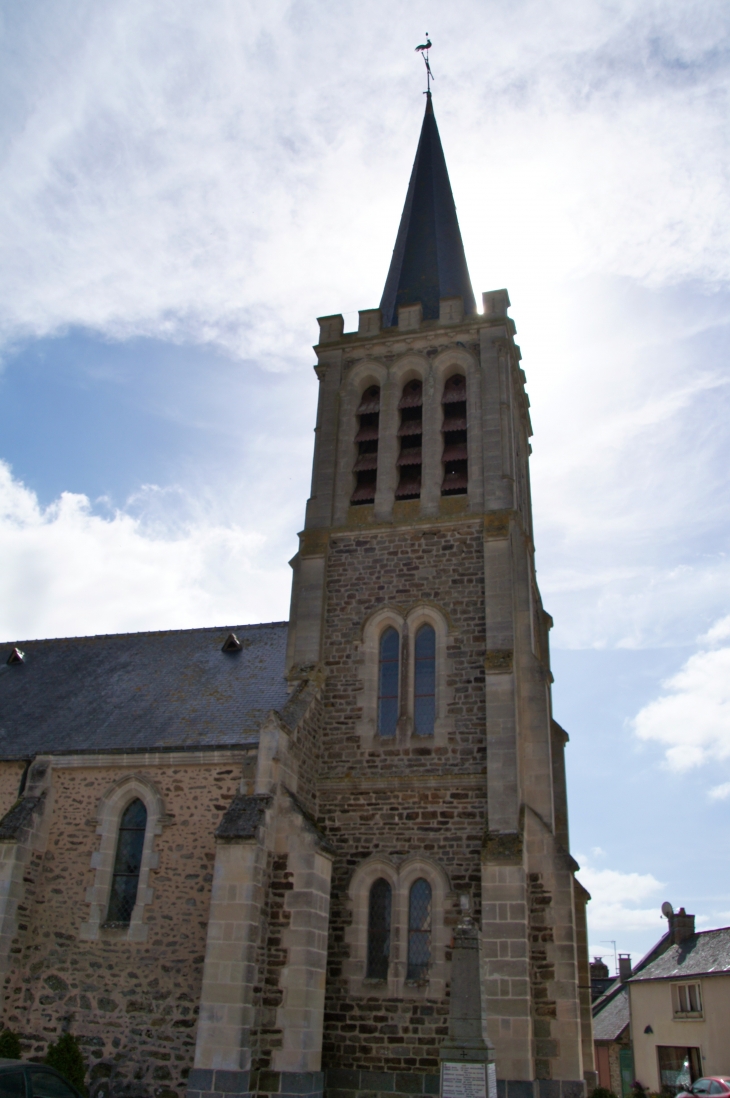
x: 186, y: 187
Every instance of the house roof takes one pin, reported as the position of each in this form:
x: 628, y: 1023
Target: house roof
x: 613, y: 1018
x: 428, y: 259
x: 140, y: 691
x: 703, y: 954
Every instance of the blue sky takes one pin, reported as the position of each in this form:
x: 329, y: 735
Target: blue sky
x: 185, y: 188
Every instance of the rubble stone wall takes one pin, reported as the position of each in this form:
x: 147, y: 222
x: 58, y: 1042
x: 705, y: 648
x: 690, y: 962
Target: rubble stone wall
x: 133, y: 1005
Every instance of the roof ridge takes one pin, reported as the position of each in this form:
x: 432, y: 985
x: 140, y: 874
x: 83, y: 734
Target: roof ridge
x: 147, y: 632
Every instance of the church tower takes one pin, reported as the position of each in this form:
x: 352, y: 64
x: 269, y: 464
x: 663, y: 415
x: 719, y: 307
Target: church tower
x: 415, y: 607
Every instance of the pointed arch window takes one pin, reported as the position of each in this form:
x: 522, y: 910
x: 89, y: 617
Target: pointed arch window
x: 456, y: 469
x: 388, y: 676
x: 410, y: 434
x: 424, y: 701
x: 366, y: 464
x: 381, y: 899
x: 419, y: 930
x: 127, y: 863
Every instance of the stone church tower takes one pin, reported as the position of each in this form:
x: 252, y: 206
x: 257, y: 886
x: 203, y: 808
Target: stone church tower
x: 416, y: 600
x: 232, y: 860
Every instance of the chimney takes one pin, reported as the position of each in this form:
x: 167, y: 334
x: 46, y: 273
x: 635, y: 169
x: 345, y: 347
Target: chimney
x: 599, y: 970
x: 681, y: 926
x: 624, y: 967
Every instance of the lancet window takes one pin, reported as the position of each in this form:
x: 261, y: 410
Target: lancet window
x: 381, y: 897
x: 388, y: 680
x: 456, y: 472
x: 127, y: 863
x: 424, y: 700
x: 366, y: 464
x: 419, y: 929
x: 410, y: 433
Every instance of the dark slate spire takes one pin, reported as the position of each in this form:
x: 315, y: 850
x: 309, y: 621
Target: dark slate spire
x: 428, y: 259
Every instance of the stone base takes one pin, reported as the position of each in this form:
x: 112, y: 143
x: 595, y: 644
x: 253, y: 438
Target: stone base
x: 341, y: 1083
x: 541, y: 1088
x: 244, y: 1084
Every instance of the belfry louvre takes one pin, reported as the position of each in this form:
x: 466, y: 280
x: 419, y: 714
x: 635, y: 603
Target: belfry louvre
x: 233, y: 859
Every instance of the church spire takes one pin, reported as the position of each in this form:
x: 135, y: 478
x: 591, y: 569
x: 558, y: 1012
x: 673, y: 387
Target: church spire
x: 428, y: 259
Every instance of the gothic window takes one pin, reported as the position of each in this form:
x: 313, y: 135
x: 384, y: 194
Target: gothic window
x: 366, y: 464
x: 410, y: 434
x: 388, y: 682
x: 456, y: 480
x: 419, y: 930
x: 379, y: 930
x: 127, y: 862
x: 424, y: 701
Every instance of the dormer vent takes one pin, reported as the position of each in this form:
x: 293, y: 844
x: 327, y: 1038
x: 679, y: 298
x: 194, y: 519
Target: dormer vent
x: 410, y: 434
x: 455, y: 455
x: 366, y: 463
x: 16, y: 656
x: 231, y: 644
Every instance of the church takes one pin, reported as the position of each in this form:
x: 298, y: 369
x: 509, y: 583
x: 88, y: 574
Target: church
x: 232, y: 859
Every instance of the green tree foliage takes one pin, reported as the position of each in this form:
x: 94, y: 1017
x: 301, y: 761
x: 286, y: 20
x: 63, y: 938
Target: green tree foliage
x: 65, y: 1056
x: 9, y: 1046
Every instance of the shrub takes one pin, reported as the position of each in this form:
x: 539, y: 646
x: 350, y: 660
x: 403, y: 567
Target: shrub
x: 602, y: 1092
x: 9, y: 1045
x: 65, y: 1056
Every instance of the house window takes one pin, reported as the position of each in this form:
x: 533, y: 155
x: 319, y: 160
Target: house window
x: 379, y: 930
x: 127, y: 863
x: 687, y: 999
x: 424, y: 702
x: 366, y: 463
x: 678, y: 1067
x: 419, y: 930
x: 410, y: 434
x: 388, y: 682
x: 456, y: 469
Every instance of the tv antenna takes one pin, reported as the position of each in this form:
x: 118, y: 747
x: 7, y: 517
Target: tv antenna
x: 610, y: 941
x: 423, y: 50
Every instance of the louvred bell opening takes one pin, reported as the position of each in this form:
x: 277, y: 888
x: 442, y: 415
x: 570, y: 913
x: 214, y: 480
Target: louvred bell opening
x: 367, y: 433
x: 412, y: 395
x: 411, y: 456
x: 370, y: 401
x: 410, y: 427
x: 456, y: 481
x: 457, y: 452
x: 366, y: 461
x: 454, y: 390
x: 364, y: 493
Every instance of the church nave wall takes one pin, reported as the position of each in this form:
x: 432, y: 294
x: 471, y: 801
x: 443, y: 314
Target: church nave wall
x: 133, y: 1004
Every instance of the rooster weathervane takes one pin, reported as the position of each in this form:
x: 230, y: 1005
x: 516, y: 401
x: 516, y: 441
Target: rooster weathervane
x: 423, y: 50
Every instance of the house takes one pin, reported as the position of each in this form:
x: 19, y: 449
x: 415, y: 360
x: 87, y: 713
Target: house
x: 680, y: 1008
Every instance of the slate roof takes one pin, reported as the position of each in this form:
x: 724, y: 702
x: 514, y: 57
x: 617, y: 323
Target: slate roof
x: 613, y: 1019
x: 428, y: 259
x: 140, y: 691
x: 704, y: 954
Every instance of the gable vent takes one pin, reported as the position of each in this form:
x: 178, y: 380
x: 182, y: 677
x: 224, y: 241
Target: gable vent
x: 231, y: 644
x: 16, y: 656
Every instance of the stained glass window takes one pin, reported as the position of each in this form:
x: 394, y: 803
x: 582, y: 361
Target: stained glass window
x: 388, y: 682
x: 127, y: 863
x: 425, y: 681
x: 379, y: 930
x: 419, y: 930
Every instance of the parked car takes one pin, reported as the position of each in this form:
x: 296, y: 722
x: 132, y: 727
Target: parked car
x: 708, y: 1085
x: 22, y: 1079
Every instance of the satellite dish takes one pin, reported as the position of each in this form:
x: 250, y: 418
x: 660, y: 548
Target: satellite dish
x: 667, y: 909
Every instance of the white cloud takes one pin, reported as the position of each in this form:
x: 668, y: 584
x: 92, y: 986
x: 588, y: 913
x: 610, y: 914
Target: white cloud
x: 67, y: 564
x: 719, y: 792
x: 692, y: 717
x: 618, y: 902
x: 720, y: 631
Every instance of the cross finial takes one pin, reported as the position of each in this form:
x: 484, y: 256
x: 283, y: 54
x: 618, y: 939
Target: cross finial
x: 423, y: 50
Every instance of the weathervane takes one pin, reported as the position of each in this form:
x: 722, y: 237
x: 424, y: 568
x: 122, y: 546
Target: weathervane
x: 423, y: 50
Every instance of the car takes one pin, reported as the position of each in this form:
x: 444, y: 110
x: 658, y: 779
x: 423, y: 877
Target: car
x: 23, y: 1079
x: 708, y: 1085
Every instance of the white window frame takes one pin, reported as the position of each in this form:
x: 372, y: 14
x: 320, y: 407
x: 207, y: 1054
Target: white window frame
x: 111, y: 808
x: 677, y: 1007
x: 400, y: 877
